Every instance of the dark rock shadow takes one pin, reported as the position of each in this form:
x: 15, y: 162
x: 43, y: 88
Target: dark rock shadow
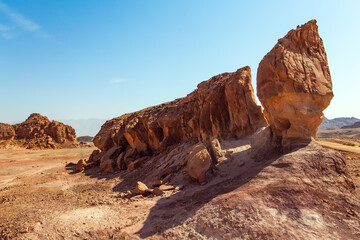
x: 175, y: 210
x: 71, y: 167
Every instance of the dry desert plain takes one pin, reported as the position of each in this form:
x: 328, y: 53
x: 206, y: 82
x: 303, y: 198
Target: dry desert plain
x: 43, y: 197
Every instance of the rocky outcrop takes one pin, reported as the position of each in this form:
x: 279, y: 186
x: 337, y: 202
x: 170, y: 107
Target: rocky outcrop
x: 294, y: 85
x: 224, y: 106
x: 38, y: 132
x: 7, y: 132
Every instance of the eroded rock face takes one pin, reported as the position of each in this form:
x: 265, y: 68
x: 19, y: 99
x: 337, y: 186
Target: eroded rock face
x: 223, y: 106
x: 7, y: 132
x: 294, y: 85
x: 38, y: 132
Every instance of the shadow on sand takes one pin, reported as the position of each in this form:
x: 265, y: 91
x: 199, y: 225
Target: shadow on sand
x: 176, y: 209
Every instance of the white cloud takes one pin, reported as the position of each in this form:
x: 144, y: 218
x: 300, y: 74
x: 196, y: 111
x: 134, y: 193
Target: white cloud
x: 20, y: 21
x: 4, y: 28
x: 8, y: 35
x: 117, y: 80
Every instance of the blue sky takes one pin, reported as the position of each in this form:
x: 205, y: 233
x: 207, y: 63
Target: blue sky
x: 100, y: 59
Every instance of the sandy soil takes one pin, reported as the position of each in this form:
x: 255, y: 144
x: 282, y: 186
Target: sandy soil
x: 339, y: 146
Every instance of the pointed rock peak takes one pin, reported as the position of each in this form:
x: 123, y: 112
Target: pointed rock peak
x: 36, y: 117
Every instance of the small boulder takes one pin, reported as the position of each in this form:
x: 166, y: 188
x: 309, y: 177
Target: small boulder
x: 166, y: 187
x: 199, y: 163
x: 158, y: 191
x: 215, y: 150
x: 141, y: 188
x: 157, y: 183
x: 107, y: 166
x: 81, y: 164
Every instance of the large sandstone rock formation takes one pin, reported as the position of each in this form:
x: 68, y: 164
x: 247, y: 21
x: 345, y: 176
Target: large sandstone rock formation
x: 224, y: 107
x: 294, y: 85
x: 37, y: 132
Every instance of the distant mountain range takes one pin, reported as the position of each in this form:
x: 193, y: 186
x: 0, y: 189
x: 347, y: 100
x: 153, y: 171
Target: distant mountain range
x: 337, y: 123
x: 354, y: 125
x: 85, y: 127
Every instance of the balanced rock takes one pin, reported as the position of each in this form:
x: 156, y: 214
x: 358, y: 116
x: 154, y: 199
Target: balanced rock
x: 38, y: 132
x: 199, y: 163
x: 294, y: 85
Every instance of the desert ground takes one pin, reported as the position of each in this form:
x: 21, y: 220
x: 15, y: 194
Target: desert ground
x: 43, y: 197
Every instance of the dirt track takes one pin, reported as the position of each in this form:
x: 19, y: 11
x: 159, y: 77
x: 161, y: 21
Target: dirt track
x: 339, y: 146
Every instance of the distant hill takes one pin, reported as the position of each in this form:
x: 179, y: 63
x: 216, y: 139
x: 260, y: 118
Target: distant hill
x: 85, y: 127
x: 85, y: 139
x: 337, y: 123
x: 354, y: 125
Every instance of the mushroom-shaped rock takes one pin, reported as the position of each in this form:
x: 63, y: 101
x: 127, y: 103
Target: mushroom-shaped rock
x: 294, y: 85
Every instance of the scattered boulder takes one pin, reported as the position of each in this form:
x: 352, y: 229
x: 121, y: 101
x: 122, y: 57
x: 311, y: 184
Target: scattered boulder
x: 81, y: 164
x: 199, y: 163
x: 158, y: 183
x: 158, y: 191
x: 215, y: 150
x: 141, y: 188
x: 166, y: 187
x: 294, y: 85
x: 107, y: 166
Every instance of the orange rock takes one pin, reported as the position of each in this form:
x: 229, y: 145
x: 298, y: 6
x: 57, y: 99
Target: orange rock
x: 199, y: 163
x: 166, y: 187
x: 141, y: 188
x: 7, y: 132
x: 107, y: 166
x: 157, y: 183
x: 224, y: 106
x: 294, y: 85
x: 38, y: 132
x: 80, y: 166
x: 158, y: 191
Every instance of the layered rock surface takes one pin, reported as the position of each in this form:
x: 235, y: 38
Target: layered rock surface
x: 224, y: 107
x: 294, y: 84
x: 37, y: 132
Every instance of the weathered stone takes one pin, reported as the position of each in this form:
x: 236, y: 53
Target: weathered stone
x: 157, y: 183
x: 7, y: 132
x: 80, y: 166
x: 199, y: 163
x: 166, y: 187
x: 294, y: 85
x: 38, y: 132
x: 158, y: 191
x: 108, y: 159
x: 215, y: 149
x: 107, y: 166
x: 120, y: 161
x: 223, y: 106
x: 141, y: 188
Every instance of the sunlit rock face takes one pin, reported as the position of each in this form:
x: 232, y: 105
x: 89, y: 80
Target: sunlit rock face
x: 294, y: 85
